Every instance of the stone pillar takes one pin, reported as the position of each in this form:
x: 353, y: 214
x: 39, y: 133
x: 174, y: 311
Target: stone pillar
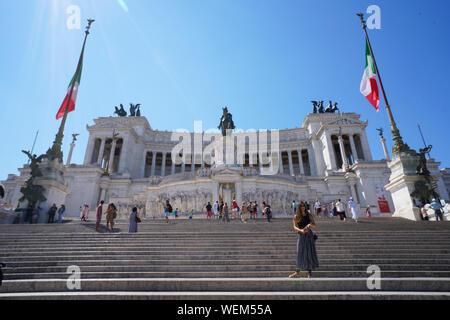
x: 386, y: 152
x: 215, y: 192
x: 111, y: 157
x: 352, y: 146
x: 280, y: 161
x: 313, y: 163
x: 341, y: 147
x: 183, y: 164
x: 353, y: 191
x: 401, y: 185
x: 300, y: 162
x: 102, y: 194
x: 291, y: 168
x: 124, y: 155
x: 365, y: 147
x: 163, y: 166
x: 153, y: 163
x: 192, y: 162
x: 100, y: 153
x: 331, y: 153
x: 172, y: 170
x: 89, y: 151
x: 238, y: 186
x: 69, y: 157
x: 316, y: 158
x: 144, y: 164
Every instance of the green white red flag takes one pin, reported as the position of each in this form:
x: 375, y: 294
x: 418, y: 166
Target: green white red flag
x: 369, y: 86
x: 73, y: 86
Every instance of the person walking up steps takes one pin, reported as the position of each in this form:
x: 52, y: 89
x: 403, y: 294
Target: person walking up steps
x: 61, y: 211
x: 51, y: 213
x: 99, y: 214
x: 306, y: 248
x: 208, y: 210
x: 225, y: 215
x: 353, y: 207
x: 167, y: 210
x: 84, y: 212
x: 340, y: 210
x: 216, y: 210
x: 111, y: 213
x: 244, y: 213
x: 133, y: 218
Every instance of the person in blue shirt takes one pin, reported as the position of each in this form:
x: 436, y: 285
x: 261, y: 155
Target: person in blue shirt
x: 60, y: 213
x: 294, y: 207
x: 437, y: 209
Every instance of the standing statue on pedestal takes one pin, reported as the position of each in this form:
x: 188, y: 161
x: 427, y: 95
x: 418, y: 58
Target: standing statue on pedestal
x: 424, y: 190
x: 422, y: 167
x: 226, y: 121
x: 31, y: 192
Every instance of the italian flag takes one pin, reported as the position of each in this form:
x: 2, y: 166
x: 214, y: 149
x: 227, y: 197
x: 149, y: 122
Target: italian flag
x: 369, y: 86
x: 73, y: 86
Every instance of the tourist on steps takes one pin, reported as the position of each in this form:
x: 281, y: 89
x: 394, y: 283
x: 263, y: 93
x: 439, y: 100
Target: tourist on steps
x: 340, y: 210
x: 208, y: 210
x: 51, y: 213
x: 437, y: 209
x: 84, y: 212
x: 306, y: 248
x: 133, y: 218
x: 353, y: 207
x: 424, y: 214
x: 111, y: 214
x: 61, y: 211
x: 244, y: 213
x: 167, y: 210
x: 225, y: 215
x: 216, y: 209
x: 99, y: 214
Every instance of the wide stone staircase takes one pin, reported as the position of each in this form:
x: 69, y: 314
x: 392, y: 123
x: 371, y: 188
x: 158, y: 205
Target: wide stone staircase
x: 208, y: 259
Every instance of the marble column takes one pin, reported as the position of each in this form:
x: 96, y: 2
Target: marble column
x: 111, y: 156
x: 386, y: 152
x: 69, y: 157
x: 163, y: 165
x: 353, y: 190
x: 352, y: 146
x: 365, y: 147
x: 172, y: 169
x: 291, y: 168
x: 124, y: 159
x: 144, y: 163
x: 300, y: 162
x: 331, y: 153
x: 280, y: 161
x: 344, y: 158
x: 316, y: 160
x: 89, y: 150
x: 192, y: 162
x: 100, y: 153
x: 153, y: 163
x: 183, y: 163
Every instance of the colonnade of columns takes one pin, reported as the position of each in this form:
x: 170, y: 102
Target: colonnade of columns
x: 350, y: 149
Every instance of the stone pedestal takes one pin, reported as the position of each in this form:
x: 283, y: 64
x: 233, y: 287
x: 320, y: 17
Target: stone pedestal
x: 401, y: 185
x: 55, y: 187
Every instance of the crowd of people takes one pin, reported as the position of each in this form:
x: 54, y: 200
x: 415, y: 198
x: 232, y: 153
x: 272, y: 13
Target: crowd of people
x: 437, y: 208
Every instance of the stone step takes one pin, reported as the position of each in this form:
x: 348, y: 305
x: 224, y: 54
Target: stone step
x: 428, y: 284
x: 218, y: 268
x: 227, y: 295
x: 178, y: 261
x: 228, y: 274
x: 227, y: 252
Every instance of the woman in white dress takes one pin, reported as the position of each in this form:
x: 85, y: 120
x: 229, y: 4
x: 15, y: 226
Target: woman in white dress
x: 353, y: 207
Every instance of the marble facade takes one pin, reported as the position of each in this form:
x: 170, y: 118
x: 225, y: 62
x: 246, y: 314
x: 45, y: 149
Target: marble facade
x: 327, y: 158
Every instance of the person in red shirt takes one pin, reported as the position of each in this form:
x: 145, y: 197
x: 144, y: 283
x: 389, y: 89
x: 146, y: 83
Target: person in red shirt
x: 99, y: 214
x: 234, y: 206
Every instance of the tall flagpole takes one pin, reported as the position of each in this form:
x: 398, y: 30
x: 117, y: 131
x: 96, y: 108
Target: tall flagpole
x: 55, y: 151
x: 399, y: 145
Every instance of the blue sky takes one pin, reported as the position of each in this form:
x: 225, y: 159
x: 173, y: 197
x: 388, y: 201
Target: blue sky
x: 184, y: 60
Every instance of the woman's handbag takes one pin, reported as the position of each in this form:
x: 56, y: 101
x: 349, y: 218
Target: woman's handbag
x: 138, y: 220
x: 315, y: 236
